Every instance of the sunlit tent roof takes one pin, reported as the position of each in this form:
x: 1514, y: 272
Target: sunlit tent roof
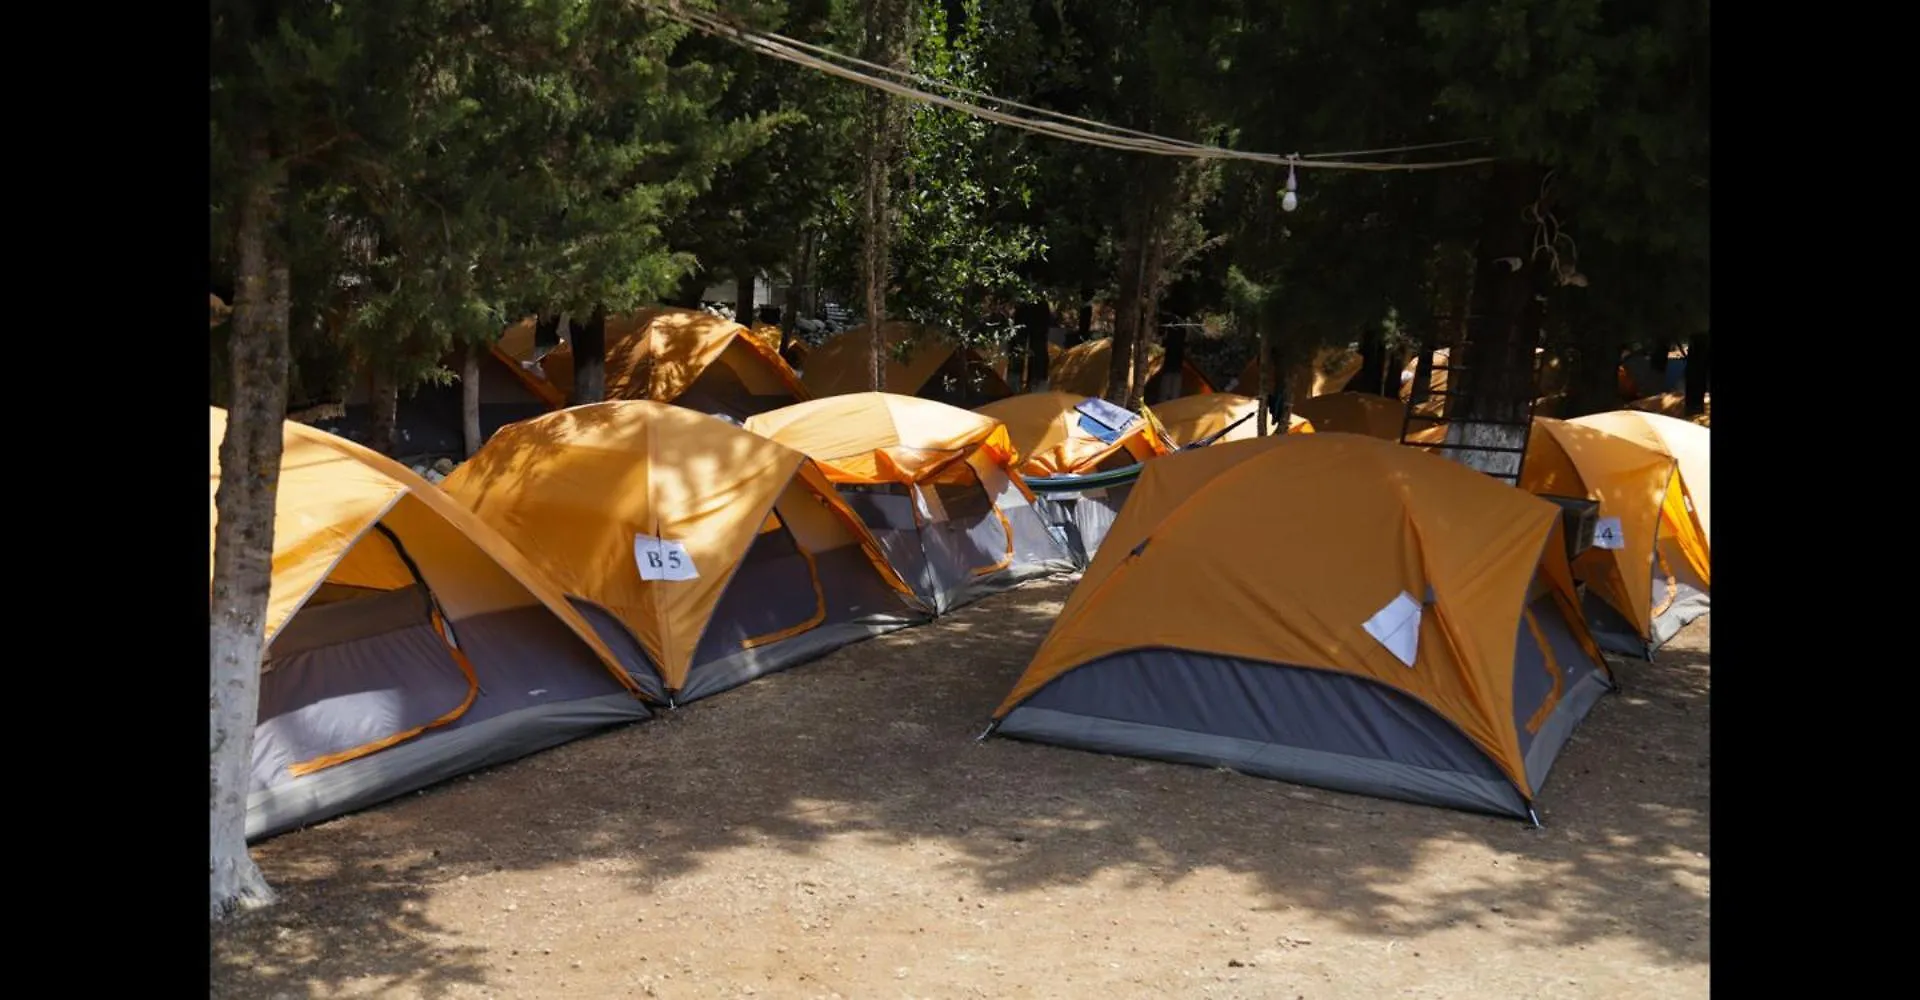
x: 935, y: 485
x: 1234, y: 619
x: 1191, y: 419
x: 1354, y: 413
x: 1083, y: 369
x: 1315, y: 380
x: 1647, y: 572
x: 705, y: 555
x: 920, y: 362
x: 770, y: 337
x: 406, y: 641
x: 1055, y: 434
x: 687, y: 357
x: 1688, y: 443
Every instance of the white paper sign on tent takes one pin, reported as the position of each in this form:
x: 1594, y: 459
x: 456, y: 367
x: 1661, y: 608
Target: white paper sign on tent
x: 1607, y: 534
x: 663, y: 559
x: 1397, y: 627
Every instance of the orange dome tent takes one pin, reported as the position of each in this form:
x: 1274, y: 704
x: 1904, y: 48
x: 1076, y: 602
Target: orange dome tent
x: 703, y: 554
x: 933, y: 482
x: 1443, y: 661
x: 406, y: 642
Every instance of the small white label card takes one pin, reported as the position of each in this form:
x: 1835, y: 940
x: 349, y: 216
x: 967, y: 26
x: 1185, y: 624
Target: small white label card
x: 1607, y: 534
x: 1397, y: 627
x: 663, y: 559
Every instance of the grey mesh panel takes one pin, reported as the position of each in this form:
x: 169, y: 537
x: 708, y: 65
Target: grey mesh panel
x: 1310, y: 726
x: 327, y: 698
x: 860, y: 605
x: 1611, y: 632
x: 770, y: 591
x: 1036, y: 552
x: 1083, y: 522
x: 1581, y: 683
x: 626, y: 648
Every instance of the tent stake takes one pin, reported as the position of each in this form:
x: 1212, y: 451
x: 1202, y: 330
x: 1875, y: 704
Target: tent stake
x: 984, y: 733
x: 1535, y: 817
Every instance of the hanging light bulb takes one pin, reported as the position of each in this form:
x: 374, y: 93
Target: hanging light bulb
x: 1290, y: 200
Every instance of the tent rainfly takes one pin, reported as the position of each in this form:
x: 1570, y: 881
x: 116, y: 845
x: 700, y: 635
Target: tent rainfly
x: 1441, y: 661
x: 1217, y: 417
x: 407, y: 642
x: 920, y: 362
x: 934, y: 483
x: 1083, y: 369
x: 704, y: 555
x: 1354, y: 413
x: 1060, y: 439
x: 687, y: 357
x: 1647, y: 571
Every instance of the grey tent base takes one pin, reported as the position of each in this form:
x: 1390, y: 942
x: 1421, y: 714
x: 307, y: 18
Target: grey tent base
x: 1688, y: 605
x: 1309, y: 726
x: 715, y: 676
x: 432, y: 757
x: 1614, y: 634
x: 1299, y: 765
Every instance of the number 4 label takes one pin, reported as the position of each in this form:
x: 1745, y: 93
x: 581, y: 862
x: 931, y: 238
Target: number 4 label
x: 663, y: 559
x: 1607, y: 534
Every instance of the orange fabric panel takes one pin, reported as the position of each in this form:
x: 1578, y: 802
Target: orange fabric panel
x: 1194, y: 418
x: 653, y: 354
x: 915, y: 354
x: 1047, y: 438
x: 332, y: 492
x: 1354, y: 413
x: 1687, y: 442
x: 573, y: 488
x: 1629, y: 481
x: 1083, y: 368
x: 1297, y: 583
x: 879, y: 437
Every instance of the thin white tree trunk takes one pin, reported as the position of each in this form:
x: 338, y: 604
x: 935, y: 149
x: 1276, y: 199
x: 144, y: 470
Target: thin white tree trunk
x: 243, y: 539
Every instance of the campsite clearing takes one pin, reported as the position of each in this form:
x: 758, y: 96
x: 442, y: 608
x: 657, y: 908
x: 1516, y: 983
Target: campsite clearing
x: 835, y: 831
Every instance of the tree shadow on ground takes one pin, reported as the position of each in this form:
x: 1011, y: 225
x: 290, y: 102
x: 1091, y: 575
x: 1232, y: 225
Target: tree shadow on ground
x: 877, y: 742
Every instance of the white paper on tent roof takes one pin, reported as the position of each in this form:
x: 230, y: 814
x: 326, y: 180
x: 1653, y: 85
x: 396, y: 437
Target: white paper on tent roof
x: 1397, y: 627
x: 1111, y: 419
x: 663, y: 559
x: 1607, y: 534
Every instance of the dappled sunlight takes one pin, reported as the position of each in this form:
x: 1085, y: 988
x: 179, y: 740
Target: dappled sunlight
x: 844, y: 810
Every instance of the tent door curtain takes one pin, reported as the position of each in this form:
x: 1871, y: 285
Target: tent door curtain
x: 774, y: 594
x: 963, y: 522
x: 429, y: 614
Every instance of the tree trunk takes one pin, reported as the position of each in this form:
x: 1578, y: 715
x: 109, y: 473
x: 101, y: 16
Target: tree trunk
x: 1034, y: 318
x: 1172, y: 368
x: 1496, y: 363
x: 590, y: 359
x: 1084, y: 331
x: 383, y: 397
x: 796, y: 296
x: 470, y: 397
x: 886, y: 45
x: 1262, y: 365
x: 1699, y: 369
x: 744, y: 280
x: 1372, y: 377
x: 1593, y: 384
x: 1126, y: 314
x: 243, y: 538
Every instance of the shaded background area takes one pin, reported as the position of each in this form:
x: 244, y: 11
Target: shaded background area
x: 834, y: 830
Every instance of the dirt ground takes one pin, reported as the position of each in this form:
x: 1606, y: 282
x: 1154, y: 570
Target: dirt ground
x: 834, y: 831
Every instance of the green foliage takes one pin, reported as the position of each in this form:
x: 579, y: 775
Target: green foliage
x: 455, y: 165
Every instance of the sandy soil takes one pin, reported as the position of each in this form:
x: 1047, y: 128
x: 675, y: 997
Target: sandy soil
x: 834, y: 831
